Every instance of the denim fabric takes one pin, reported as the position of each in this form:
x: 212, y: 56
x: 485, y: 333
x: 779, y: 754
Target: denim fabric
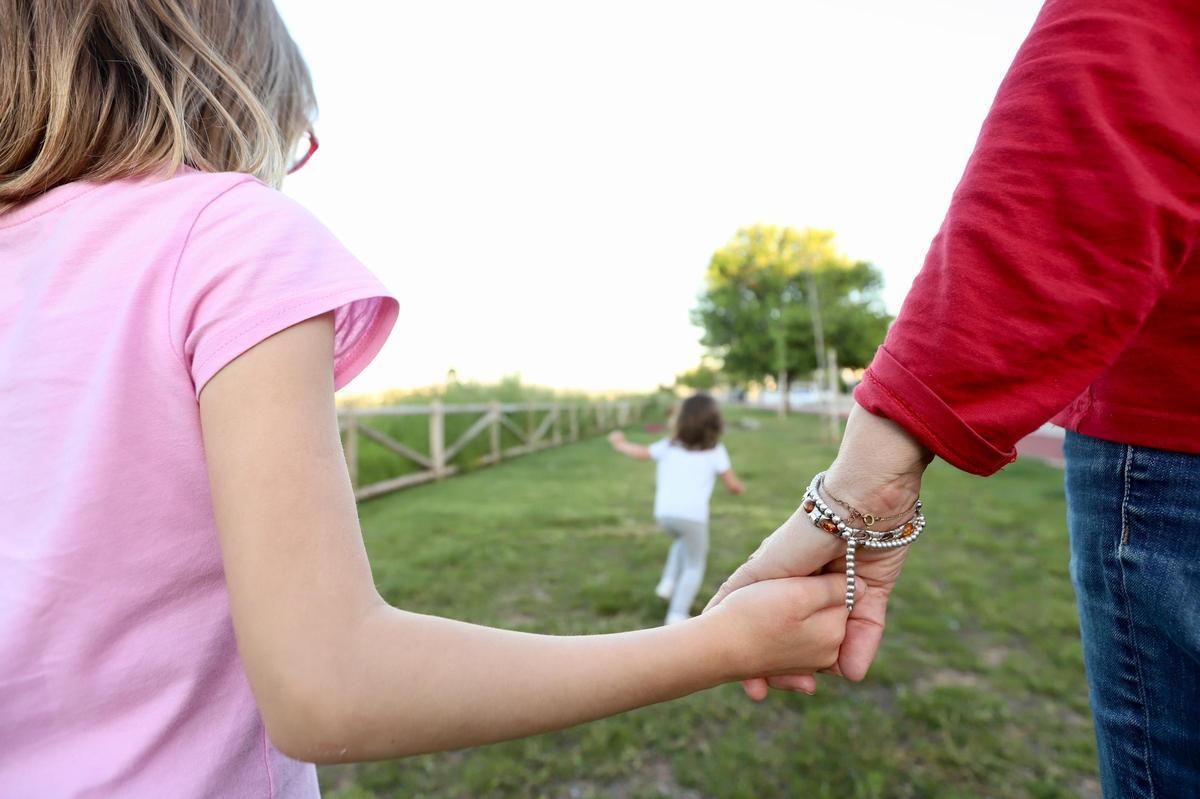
x: 1134, y: 516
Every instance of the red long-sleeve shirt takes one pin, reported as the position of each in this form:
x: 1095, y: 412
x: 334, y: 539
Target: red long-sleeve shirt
x: 1065, y: 280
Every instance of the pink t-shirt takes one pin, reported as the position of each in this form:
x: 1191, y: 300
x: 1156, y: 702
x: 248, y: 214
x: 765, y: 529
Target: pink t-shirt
x: 118, y: 301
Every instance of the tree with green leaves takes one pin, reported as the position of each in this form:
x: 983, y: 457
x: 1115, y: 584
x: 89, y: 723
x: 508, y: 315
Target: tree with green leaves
x: 701, y: 378
x: 761, y: 292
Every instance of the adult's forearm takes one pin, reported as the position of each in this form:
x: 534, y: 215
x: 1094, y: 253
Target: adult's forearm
x: 1073, y: 217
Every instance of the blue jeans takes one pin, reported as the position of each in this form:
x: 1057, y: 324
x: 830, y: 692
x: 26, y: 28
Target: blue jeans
x: 1134, y: 516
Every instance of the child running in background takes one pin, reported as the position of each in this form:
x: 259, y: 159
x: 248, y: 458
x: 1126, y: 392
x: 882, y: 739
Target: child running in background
x: 186, y: 605
x: 688, y: 465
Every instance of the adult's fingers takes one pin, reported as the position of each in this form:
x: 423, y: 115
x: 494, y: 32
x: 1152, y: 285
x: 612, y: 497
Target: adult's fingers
x: 864, y: 631
x: 744, y: 575
x: 795, y: 549
x: 864, y: 628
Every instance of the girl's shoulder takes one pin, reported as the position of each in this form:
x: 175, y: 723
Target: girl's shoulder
x: 254, y: 262
x: 232, y: 192
x: 151, y: 205
x: 660, y: 448
x: 159, y: 202
x: 664, y: 445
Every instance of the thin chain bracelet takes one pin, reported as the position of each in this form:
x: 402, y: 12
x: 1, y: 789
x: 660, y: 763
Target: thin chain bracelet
x: 830, y: 522
x: 868, y: 519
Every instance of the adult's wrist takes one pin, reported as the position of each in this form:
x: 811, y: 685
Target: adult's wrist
x: 848, y: 488
x: 879, y: 465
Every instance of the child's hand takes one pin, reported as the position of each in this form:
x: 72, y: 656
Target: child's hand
x: 789, y: 626
x: 738, y: 487
x: 616, y: 438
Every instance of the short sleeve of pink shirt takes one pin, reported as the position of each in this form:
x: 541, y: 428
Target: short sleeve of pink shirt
x: 119, y: 301
x: 255, y: 263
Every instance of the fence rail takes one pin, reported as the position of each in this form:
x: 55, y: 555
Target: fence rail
x: 560, y: 423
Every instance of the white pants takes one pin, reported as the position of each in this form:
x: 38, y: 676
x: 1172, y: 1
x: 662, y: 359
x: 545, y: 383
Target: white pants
x: 686, y: 560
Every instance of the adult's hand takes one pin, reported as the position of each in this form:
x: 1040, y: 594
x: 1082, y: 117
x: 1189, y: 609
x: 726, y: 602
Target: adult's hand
x: 796, y: 548
x: 878, y: 470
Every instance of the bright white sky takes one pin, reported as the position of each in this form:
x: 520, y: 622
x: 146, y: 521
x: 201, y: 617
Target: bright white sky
x: 542, y: 183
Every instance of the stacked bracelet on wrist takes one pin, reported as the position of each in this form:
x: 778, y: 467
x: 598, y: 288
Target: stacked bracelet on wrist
x: 830, y: 522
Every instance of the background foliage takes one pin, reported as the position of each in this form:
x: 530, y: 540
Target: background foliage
x: 757, y: 288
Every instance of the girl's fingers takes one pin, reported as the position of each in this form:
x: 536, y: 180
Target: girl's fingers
x: 755, y: 688
x: 804, y: 683
x: 828, y: 591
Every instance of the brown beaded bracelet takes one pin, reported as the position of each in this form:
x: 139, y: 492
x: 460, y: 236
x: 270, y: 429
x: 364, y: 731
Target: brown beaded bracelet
x: 825, y: 519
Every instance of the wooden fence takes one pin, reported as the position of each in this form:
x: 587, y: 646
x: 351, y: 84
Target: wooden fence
x: 560, y: 423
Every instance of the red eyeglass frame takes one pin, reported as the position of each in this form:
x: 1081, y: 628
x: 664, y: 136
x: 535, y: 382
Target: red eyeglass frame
x: 313, y: 144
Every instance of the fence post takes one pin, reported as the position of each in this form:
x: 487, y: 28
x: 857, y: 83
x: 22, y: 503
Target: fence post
x: 494, y: 410
x: 437, y: 439
x: 529, y: 426
x: 351, y: 446
x: 574, y: 421
x: 557, y: 422
x: 835, y: 422
x: 781, y: 382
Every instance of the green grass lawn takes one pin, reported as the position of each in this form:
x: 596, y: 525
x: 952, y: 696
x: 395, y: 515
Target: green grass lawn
x: 978, y: 690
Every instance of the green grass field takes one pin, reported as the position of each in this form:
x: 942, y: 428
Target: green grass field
x: 978, y: 690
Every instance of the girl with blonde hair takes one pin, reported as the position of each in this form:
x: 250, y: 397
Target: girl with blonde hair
x: 186, y: 607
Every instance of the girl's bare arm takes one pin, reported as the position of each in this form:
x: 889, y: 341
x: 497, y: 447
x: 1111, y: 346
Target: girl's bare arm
x: 340, y: 675
x: 626, y: 447
x: 732, y: 483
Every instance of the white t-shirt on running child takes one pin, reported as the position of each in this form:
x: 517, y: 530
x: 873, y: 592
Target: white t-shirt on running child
x: 685, y: 479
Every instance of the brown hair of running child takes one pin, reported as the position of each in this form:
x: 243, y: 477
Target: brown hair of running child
x: 698, y: 423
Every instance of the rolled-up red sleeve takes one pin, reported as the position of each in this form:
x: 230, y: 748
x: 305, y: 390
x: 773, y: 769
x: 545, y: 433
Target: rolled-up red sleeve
x: 1075, y: 212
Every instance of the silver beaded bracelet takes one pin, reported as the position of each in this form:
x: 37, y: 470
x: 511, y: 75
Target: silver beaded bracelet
x: 830, y: 522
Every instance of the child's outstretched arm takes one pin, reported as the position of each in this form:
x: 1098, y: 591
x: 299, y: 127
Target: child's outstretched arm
x: 732, y: 483
x: 624, y: 446
x: 339, y: 675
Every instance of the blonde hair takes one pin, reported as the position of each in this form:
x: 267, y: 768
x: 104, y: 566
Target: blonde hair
x: 106, y: 89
